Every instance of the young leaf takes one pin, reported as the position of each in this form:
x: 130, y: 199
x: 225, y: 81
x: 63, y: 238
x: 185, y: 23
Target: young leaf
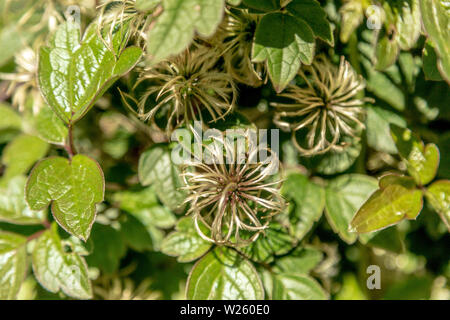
x: 316, y: 17
x: 344, y: 196
x: 13, y: 207
x: 73, y: 187
x: 306, y: 202
x: 156, y: 168
x: 72, y: 75
x: 285, y: 42
x: 180, y: 20
x: 422, y: 162
x: 224, y: 275
x: 20, y: 155
x: 386, y: 207
x: 13, y: 264
x: 296, y: 287
x: 438, y: 194
x: 57, y: 270
x: 435, y: 19
x: 377, y: 129
x: 185, y: 243
x: 49, y: 127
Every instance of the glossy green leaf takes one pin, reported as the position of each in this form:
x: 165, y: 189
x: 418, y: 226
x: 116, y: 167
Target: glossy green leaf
x: 316, y: 17
x: 422, y: 162
x: 438, y: 194
x: 296, y: 287
x: 386, y: 207
x: 276, y: 240
x: 223, y: 274
x: 378, y: 131
x: 72, y: 187
x: 344, y: 196
x: 302, y: 260
x: 284, y: 42
x: 436, y: 17
x: 57, y: 270
x: 13, y: 207
x: 49, y: 127
x: 386, y: 53
x: 72, y: 75
x: 177, y: 25
x: 156, y: 168
x: 306, y: 202
x: 20, y: 155
x: 13, y: 264
x: 185, y: 243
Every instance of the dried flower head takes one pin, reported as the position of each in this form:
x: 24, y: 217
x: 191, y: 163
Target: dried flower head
x: 232, y: 193
x: 115, y: 13
x: 23, y: 83
x: 325, y: 110
x: 236, y: 35
x: 187, y: 84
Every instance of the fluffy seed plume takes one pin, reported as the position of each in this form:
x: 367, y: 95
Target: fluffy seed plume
x: 186, y: 85
x: 232, y: 194
x: 325, y: 109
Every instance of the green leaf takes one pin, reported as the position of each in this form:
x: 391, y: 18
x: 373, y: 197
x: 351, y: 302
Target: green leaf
x: 223, y: 274
x: 9, y: 119
x: 352, y: 16
x: 13, y: 207
x: 296, y: 287
x: 386, y: 53
x: 378, y: 131
x: 263, y: 5
x: 72, y: 75
x: 177, y: 25
x: 438, y: 194
x: 109, y: 248
x: 156, y: 168
x: 20, y: 155
x: 57, y: 270
x: 11, y: 41
x: 344, y: 196
x: 72, y: 187
x: 49, y: 127
x: 422, y: 162
x: 316, y: 17
x: 285, y: 42
x: 302, y: 260
x: 429, y: 57
x: 350, y: 289
x: 408, y: 24
x: 185, y: 243
x: 435, y: 17
x: 276, y: 240
x: 13, y: 264
x: 135, y: 234
x: 387, y: 207
x: 334, y: 162
x: 306, y: 203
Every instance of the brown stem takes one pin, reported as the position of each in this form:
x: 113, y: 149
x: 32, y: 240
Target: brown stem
x: 70, y: 147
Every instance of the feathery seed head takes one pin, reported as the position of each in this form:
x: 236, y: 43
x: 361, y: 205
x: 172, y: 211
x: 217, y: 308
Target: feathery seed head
x: 234, y: 192
x: 324, y: 111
